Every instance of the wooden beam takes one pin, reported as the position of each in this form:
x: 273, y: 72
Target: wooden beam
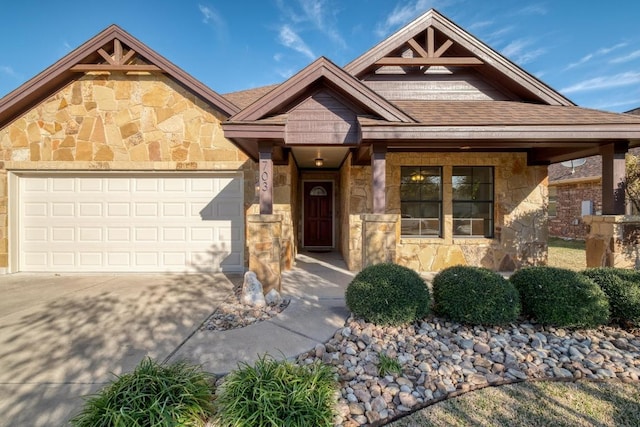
x: 457, y: 61
x: 117, y: 51
x: 128, y: 56
x: 83, y: 68
x: 417, y: 48
x: 378, y: 181
x: 430, y: 41
x: 106, y: 56
x: 442, y: 49
x: 265, y: 180
x: 613, y: 177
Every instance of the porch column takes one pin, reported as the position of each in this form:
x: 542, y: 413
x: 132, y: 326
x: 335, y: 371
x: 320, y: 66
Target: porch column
x: 613, y: 177
x: 264, y: 241
x: 379, y: 170
x: 265, y: 180
x: 380, y: 236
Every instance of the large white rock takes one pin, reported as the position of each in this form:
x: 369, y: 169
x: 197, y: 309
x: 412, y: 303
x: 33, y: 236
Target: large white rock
x: 273, y: 297
x: 252, y: 293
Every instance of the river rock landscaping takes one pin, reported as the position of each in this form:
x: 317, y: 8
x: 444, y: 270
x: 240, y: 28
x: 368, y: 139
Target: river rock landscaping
x: 441, y: 358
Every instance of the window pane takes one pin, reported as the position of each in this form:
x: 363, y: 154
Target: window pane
x: 410, y: 227
x: 482, y: 175
x: 410, y: 210
x: 421, y: 200
x: 483, y: 192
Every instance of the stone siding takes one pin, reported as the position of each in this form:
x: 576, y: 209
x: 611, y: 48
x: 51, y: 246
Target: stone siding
x: 118, y: 122
x: 520, y: 213
x: 568, y: 222
x: 613, y: 241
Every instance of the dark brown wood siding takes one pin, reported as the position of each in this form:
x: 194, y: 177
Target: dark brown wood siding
x: 461, y: 84
x: 322, y: 119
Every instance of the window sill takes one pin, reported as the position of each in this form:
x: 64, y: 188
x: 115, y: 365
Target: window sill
x: 472, y: 240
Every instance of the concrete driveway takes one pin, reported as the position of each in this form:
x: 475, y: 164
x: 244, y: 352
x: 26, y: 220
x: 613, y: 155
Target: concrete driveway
x: 62, y: 336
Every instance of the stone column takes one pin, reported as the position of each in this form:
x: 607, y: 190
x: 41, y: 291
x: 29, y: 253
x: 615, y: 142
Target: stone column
x: 613, y: 241
x: 264, y: 234
x: 380, y: 234
x: 613, y: 177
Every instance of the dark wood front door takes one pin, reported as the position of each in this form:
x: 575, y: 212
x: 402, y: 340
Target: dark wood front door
x: 318, y: 214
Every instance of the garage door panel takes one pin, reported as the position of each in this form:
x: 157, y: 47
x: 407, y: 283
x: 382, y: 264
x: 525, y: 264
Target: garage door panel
x: 138, y: 223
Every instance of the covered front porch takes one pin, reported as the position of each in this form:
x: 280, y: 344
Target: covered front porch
x: 429, y: 150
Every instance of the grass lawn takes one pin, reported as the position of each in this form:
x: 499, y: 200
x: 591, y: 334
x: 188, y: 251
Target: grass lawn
x: 536, y: 404
x: 540, y: 403
x: 567, y: 254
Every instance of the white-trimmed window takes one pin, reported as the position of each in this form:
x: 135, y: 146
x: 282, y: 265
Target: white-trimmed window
x: 421, y: 200
x: 473, y: 201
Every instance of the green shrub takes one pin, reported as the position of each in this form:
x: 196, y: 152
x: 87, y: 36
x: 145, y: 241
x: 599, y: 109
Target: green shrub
x: 388, y: 294
x: 277, y: 393
x: 475, y: 295
x: 152, y: 395
x: 622, y: 287
x: 561, y: 297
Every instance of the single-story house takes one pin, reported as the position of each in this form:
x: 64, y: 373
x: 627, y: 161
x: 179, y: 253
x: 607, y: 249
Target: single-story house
x: 430, y: 149
x: 575, y: 190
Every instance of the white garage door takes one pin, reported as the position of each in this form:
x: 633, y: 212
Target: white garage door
x: 134, y: 223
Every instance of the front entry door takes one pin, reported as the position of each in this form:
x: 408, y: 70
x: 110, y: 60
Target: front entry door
x: 318, y: 214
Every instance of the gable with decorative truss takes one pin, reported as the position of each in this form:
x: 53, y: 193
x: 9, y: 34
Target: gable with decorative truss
x: 449, y: 63
x: 115, y: 56
x: 112, y: 50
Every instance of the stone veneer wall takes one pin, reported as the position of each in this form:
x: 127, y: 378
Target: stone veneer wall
x: 118, y: 122
x: 355, y: 200
x: 613, y: 241
x: 568, y: 223
x: 520, y: 213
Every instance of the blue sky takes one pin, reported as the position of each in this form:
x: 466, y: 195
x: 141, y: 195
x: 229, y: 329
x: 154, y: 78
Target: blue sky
x: 588, y: 50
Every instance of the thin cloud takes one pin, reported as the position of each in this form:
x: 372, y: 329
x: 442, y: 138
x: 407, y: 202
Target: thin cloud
x: 480, y: 24
x: 534, y: 9
x: 318, y: 13
x: 289, y: 38
x: 598, y: 53
x: 616, y: 104
x: 5, y: 69
x: 210, y: 16
x: 604, y: 82
x: 520, y: 52
x: 626, y: 58
x: 403, y: 14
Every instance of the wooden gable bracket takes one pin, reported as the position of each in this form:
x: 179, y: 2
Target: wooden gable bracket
x: 116, y: 61
x: 428, y: 55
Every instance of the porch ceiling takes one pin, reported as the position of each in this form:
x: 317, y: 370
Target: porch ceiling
x: 332, y: 157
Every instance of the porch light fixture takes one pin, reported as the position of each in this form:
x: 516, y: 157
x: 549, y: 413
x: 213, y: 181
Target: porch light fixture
x: 417, y: 177
x: 319, y: 161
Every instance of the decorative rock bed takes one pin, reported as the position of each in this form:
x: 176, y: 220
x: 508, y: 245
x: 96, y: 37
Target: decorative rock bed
x: 233, y: 313
x: 440, y: 358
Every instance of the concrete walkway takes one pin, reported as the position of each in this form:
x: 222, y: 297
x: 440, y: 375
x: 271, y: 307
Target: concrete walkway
x: 317, y: 309
x: 62, y: 336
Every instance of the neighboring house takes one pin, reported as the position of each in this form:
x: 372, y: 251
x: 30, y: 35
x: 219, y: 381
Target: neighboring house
x: 575, y: 190
x: 430, y: 149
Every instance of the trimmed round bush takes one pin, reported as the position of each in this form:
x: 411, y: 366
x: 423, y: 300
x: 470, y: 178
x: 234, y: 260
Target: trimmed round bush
x: 561, y: 297
x: 475, y: 295
x: 277, y: 393
x: 388, y: 294
x: 152, y: 395
x: 622, y: 287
